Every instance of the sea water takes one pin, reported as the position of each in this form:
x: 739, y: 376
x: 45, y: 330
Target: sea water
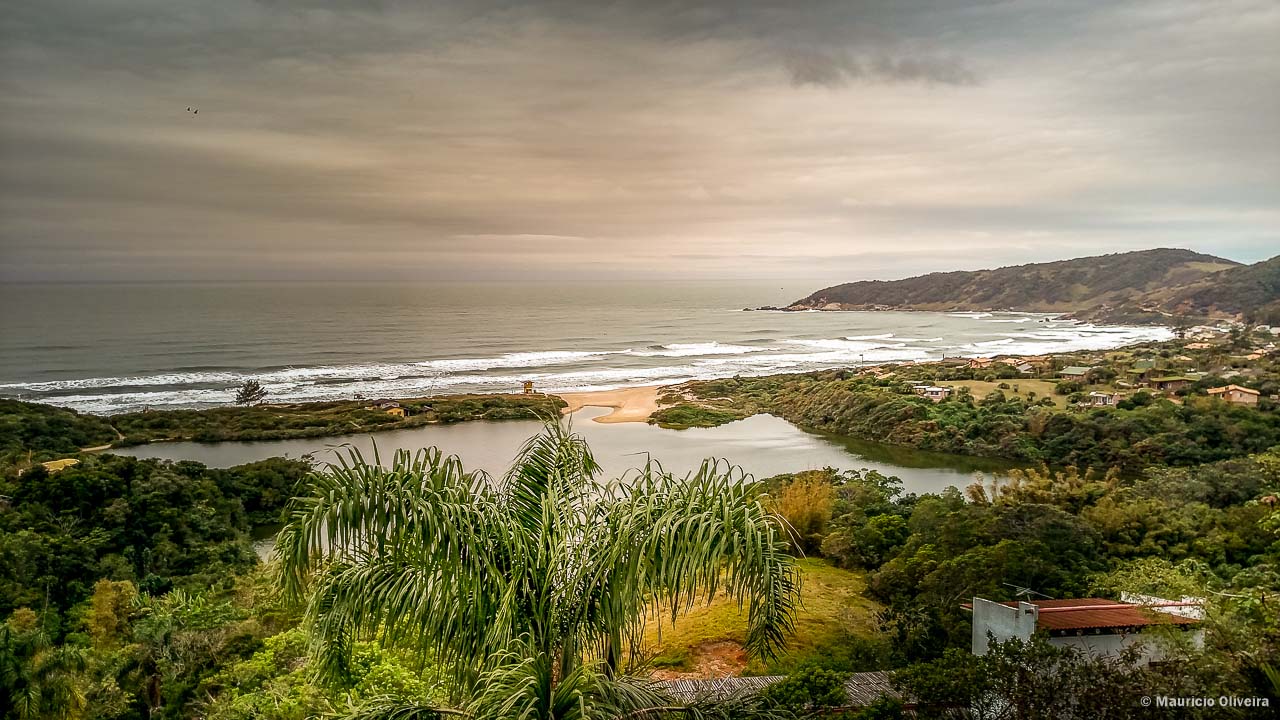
x: 112, y: 348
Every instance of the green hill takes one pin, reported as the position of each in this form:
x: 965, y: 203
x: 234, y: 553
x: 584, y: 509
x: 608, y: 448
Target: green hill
x: 1143, y: 285
x: 1248, y: 292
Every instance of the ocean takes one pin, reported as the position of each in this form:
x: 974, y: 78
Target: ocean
x: 112, y: 348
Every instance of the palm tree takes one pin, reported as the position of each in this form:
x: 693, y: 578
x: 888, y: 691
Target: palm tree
x: 37, y: 679
x: 533, y: 591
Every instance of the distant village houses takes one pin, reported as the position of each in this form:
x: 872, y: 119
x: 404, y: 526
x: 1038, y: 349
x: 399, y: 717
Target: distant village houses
x: 1235, y: 394
x: 1075, y: 372
x: 1142, y: 370
x: 1102, y: 399
x: 1172, y: 383
x: 390, y: 407
x: 933, y: 392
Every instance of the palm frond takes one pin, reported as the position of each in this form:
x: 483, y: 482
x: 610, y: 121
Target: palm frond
x: 393, y: 708
x: 533, y: 591
x: 691, y: 535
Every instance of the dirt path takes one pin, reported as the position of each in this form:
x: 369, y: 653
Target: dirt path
x: 100, y: 448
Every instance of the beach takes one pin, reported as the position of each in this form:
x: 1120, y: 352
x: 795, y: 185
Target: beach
x: 128, y: 348
x: 633, y: 404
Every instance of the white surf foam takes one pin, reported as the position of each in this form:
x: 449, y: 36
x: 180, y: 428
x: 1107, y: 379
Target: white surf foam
x: 696, y: 349
x: 562, y: 370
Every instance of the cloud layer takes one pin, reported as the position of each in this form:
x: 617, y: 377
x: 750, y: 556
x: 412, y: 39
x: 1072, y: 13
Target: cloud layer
x: 492, y: 140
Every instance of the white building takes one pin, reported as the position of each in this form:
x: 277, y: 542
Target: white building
x: 1095, y: 625
x: 934, y: 393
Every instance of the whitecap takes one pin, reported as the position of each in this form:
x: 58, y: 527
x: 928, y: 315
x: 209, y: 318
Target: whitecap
x: 695, y: 349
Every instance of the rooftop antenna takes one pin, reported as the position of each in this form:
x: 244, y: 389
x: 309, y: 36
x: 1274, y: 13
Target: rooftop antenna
x: 1018, y: 590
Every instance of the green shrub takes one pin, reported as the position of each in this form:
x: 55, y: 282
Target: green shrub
x: 688, y: 415
x: 810, y: 687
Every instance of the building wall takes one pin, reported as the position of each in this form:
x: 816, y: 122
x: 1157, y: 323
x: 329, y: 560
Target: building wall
x: 993, y: 621
x: 1150, y: 649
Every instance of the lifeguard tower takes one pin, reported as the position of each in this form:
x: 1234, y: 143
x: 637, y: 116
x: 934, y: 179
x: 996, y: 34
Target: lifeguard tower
x: 528, y: 387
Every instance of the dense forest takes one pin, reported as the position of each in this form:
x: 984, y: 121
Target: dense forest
x: 157, y: 525
x: 35, y: 432
x: 1066, y: 533
x: 130, y: 589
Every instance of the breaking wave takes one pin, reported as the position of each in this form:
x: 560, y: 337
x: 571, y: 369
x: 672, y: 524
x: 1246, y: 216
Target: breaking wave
x: 644, y: 362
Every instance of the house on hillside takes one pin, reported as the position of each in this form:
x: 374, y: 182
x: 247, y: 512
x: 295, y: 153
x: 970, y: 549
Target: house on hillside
x: 1141, y: 371
x: 1198, y: 346
x: 1235, y: 394
x: 1075, y: 372
x: 1101, y: 399
x: 933, y: 392
x: 1098, y: 626
x: 1025, y: 368
x: 1171, y: 383
x: 390, y: 407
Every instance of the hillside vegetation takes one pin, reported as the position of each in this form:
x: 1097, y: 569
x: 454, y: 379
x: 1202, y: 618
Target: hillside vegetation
x: 31, y: 432
x: 1250, y: 291
x: 997, y: 412
x: 1150, y: 285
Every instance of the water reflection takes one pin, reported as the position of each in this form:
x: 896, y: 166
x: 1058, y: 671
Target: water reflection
x: 763, y: 445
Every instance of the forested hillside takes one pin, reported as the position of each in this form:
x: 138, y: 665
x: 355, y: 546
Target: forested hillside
x: 1250, y: 291
x: 1062, y: 286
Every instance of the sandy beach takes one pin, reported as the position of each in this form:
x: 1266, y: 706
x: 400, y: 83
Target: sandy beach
x: 634, y: 404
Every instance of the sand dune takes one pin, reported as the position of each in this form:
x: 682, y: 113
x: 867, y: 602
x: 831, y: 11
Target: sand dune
x: 634, y: 404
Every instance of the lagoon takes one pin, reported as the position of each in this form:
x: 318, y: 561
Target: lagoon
x: 762, y: 445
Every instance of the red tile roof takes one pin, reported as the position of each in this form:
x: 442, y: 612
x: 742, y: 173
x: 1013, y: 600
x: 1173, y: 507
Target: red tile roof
x: 1088, y: 613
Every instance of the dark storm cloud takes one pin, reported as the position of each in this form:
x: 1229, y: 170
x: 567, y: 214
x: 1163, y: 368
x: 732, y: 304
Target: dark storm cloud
x: 467, y: 139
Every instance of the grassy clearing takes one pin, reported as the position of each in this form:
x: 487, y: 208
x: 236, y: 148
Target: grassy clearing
x: 832, y: 607
x: 1018, y: 387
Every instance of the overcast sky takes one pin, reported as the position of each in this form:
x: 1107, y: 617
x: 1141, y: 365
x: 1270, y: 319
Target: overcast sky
x: 474, y: 140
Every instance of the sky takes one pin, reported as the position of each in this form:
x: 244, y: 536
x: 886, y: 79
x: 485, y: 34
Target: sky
x: 456, y: 141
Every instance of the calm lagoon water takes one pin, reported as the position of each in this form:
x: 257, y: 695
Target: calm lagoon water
x: 763, y: 445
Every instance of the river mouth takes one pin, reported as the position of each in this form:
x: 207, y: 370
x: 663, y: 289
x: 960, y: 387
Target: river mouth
x: 762, y: 445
